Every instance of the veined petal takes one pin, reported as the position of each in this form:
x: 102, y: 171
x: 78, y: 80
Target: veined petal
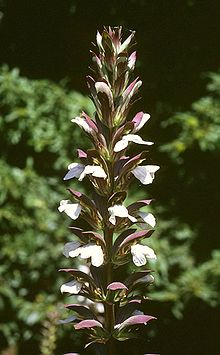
x: 139, y: 120
x: 94, y: 170
x: 145, y: 173
x: 72, y: 249
x: 140, y: 253
x: 73, y: 287
x: 75, y: 170
x: 80, y: 121
x: 148, y: 218
x: 71, y: 209
x: 119, y: 211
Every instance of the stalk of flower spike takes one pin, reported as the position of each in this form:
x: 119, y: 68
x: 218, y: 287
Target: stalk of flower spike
x: 110, y: 171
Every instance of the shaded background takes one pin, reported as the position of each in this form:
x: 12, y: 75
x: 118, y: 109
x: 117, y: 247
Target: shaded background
x: 178, y: 44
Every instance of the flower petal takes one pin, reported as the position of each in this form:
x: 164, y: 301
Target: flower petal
x: 138, y: 258
x: 94, y: 170
x: 103, y: 88
x: 126, y: 43
x: 120, y: 145
x: 140, y: 252
x: 94, y: 252
x: 71, y: 209
x: 73, y: 287
x: 117, y: 211
x: 137, y: 139
x: 99, y: 40
x: 97, y: 258
x: 139, y: 120
x: 75, y: 169
x: 81, y: 122
x: 148, y: 218
x: 123, y: 143
x: 132, y: 219
x: 132, y: 60
x: 145, y: 173
x: 72, y: 249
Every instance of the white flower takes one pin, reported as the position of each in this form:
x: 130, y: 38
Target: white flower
x: 80, y: 171
x: 90, y: 250
x: 81, y: 122
x: 123, y: 143
x: 119, y: 211
x: 147, y: 218
x: 71, y: 209
x: 145, y: 173
x: 140, y: 253
x: 73, y: 287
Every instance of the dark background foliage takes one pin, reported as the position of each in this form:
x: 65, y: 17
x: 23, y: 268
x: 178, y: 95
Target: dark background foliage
x: 178, y: 41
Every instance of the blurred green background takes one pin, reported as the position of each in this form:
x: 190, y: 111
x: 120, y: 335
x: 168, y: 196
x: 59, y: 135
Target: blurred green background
x: 44, y: 57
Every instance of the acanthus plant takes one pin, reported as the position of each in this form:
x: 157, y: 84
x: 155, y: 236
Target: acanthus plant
x: 116, y: 231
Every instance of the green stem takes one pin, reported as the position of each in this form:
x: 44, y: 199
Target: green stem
x: 109, y: 307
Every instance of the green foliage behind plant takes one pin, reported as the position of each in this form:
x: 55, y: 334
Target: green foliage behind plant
x: 200, y: 126
x: 35, y: 140
x: 188, y: 237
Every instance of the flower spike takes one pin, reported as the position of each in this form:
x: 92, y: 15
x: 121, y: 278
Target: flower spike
x: 109, y: 308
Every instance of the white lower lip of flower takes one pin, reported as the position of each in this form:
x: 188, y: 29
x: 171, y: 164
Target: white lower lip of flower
x: 72, y: 249
x: 119, y: 211
x: 145, y: 173
x: 148, y: 218
x: 123, y: 143
x: 71, y: 209
x: 73, y: 287
x: 94, y: 170
x: 83, y: 124
x: 94, y: 252
x: 140, y: 253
